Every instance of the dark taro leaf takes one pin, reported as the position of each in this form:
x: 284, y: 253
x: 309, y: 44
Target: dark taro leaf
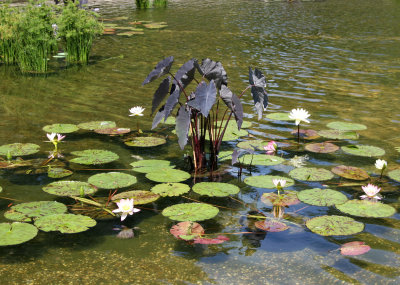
x: 162, y: 68
x: 160, y: 93
x: 233, y: 103
x: 212, y: 71
x: 205, y: 97
x: 185, y: 74
x: 182, y: 126
x: 235, y: 156
x: 172, y: 100
x: 260, y: 96
x: 158, y: 117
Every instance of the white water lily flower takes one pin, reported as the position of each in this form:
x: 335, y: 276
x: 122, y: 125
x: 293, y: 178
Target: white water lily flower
x: 125, y: 206
x: 136, y: 111
x: 279, y: 182
x: 371, y: 191
x: 380, y: 164
x: 299, y: 115
x: 51, y: 137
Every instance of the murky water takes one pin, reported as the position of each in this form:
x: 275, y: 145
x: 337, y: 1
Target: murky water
x: 338, y: 59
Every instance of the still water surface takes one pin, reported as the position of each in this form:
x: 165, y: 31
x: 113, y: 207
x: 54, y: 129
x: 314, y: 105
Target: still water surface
x: 338, y: 59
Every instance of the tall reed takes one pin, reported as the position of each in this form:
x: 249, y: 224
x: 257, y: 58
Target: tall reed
x: 9, y: 17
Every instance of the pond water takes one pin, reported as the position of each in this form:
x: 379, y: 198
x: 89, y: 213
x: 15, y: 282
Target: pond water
x: 338, y: 59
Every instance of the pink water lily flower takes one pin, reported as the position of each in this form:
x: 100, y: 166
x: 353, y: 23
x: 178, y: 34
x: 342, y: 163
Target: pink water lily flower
x: 271, y: 147
x: 60, y: 137
x: 125, y: 206
x: 371, y: 191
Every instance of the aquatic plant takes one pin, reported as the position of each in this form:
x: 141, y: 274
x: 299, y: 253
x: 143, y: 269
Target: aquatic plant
x: 137, y: 111
x: 299, y: 115
x: 371, y: 191
x: 9, y: 17
x: 271, y: 148
x: 145, y: 4
x: 381, y: 165
x: 125, y: 206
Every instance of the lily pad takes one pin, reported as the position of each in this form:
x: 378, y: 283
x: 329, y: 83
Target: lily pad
x: 225, y: 155
x: 253, y: 144
x: 231, y: 134
x: 14, y: 164
x: 354, y: 248
x: 1, y: 189
x: 113, y: 131
x: 26, y: 212
x: 168, y: 175
x: 97, y: 125
x: 364, y: 208
x: 60, y: 128
x: 394, y: 174
x: 112, y: 180
x: 346, y: 126
x: 187, y: 229
x: 278, y: 116
x: 150, y: 165
x: 350, y: 172
x: 261, y: 159
x: 94, y: 156
x: 324, y: 147
x: 130, y: 33
x: 363, y: 150
x: 219, y: 239
x: 65, y: 223
x: 265, y: 181
x: 16, y: 233
x: 155, y: 25
x: 285, y: 199
x: 307, y: 134
x: 232, y: 125
x: 321, y: 197
x: 311, y: 174
x: 19, y: 149
x: 170, y: 121
x: 271, y: 225
x: 338, y: 135
x: 334, y: 225
x: 170, y: 189
x: 145, y: 141
x: 215, y: 189
x: 58, y: 172
x: 69, y: 188
x: 139, y: 196
x: 190, y: 212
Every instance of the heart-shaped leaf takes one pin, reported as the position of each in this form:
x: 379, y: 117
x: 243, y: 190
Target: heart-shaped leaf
x: 205, y: 97
x: 172, y: 101
x: 160, y: 93
x: 233, y: 103
x: 185, y: 74
x: 16, y: 233
x: 212, y: 70
x: 182, y: 126
x: 161, y: 68
x: 260, y: 97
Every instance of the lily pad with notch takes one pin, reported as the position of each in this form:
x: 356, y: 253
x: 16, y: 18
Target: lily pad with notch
x: 97, y: 125
x: 231, y: 134
x: 187, y: 229
x: 19, y: 149
x: 365, y: 208
x: 69, y: 188
x: 215, y: 189
x: 266, y: 181
x: 324, y: 147
x: 150, y: 165
x: 57, y: 172
x: 60, y: 128
x: 16, y: 233
x: 112, y: 180
x: 94, y: 156
x: 190, y: 212
x: 27, y: 212
x: 363, y: 150
x: 65, y: 223
x: 321, y: 197
x: 113, y: 131
x: 145, y: 141
x: 167, y: 175
x: 253, y: 144
x: 139, y: 196
x: 170, y: 189
x: 338, y: 135
x: 350, y: 172
x: 346, y: 126
x: 394, y: 174
x: 311, y: 174
x: 287, y: 198
x: 271, y: 225
x: 261, y: 159
x: 334, y: 225
x: 279, y: 116
x: 354, y: 248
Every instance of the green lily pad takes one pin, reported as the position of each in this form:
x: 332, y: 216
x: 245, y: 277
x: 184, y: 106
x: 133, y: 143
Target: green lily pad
x: 16, y: 233
x: 65, y: 223
x: 321, y: 197
x: 155, y: 25
x: 150, y: 165
x: 26, y: 212
x: 265, y: 181
x: 346, y: 126
x: 231, y: 134
x: 170, y: 121
x: 94, y: 209
x: 350, y: 172
x: 112, y: 180
x: 58, y: 172
x: 338, y: 135
x: 311, y: 174
x: 278, y: 116
x: 1, y: 189
x: 145, y: 141
x: 334, y: 225
x: 364, y: 208
x: 94, y: 156
x: 139, y: 196
x: 97, y: 125
x: 168, y: 175
x: 324, y: 147
x: 113, y: 131
x: 271, y: 225
x: 394, y: 174
x: 19, y: 149
x: 193, y: 212
x: 232, y: 125
x: 69, y: 188
x: 130, y: 33
x: 215, y: 189
x: 261, y: 159
x: 285, y: 199
x: 170, y: 189
x: 14, y: 164
x: 363, y: 150
x: 60, y: 128
x: 253, y: 144
x: 225, y: 155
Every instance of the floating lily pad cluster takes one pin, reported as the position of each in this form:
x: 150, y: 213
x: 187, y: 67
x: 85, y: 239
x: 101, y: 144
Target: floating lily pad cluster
x: 120, y: 27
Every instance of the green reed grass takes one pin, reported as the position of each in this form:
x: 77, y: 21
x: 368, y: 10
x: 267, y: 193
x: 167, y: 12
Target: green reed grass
x: 9, y: 17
